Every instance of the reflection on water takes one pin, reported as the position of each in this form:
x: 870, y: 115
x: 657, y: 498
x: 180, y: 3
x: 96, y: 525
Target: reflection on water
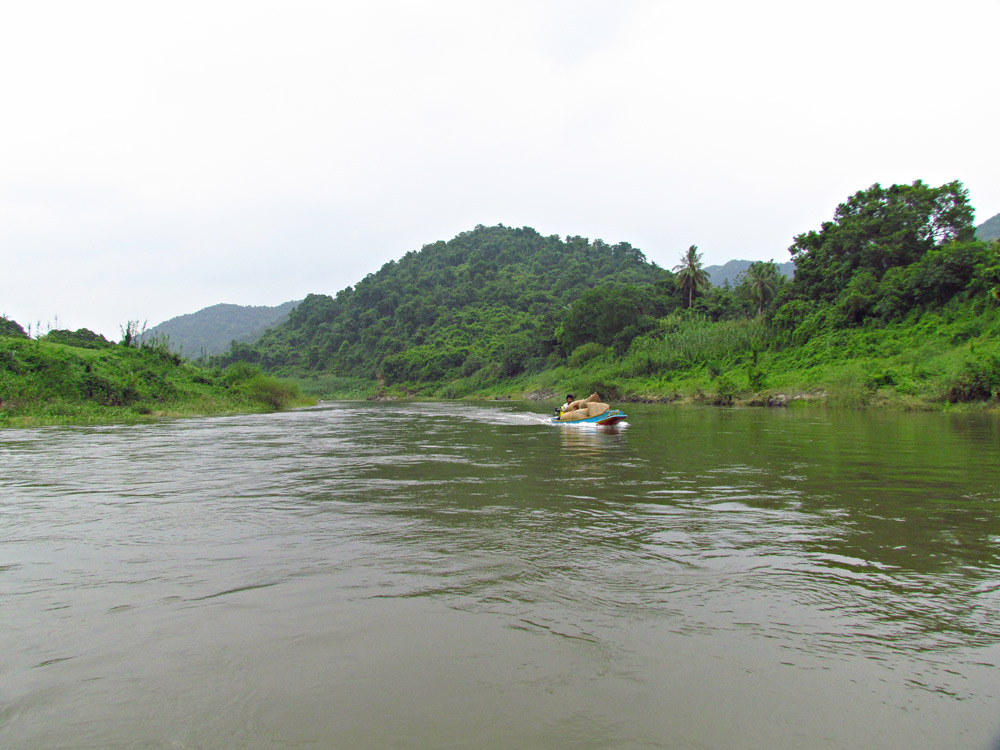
x: 419, y: 575
x: 590, y: 441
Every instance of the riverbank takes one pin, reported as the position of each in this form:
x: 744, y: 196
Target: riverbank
x: 45, y: 383
x: 938, y: 361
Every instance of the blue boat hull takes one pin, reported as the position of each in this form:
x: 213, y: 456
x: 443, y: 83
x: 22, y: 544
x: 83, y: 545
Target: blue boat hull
x: 608, y: 418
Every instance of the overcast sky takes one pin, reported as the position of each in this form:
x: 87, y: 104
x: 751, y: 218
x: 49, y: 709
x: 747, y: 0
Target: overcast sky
x: 160, y: 157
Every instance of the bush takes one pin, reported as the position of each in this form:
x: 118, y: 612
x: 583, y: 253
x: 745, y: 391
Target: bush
x: 11, y: 328
x: 756, y: 379
x: 103, y: 391
x: 586, y: 353
x: 239, y: 372
x: 270, y: 392
x: 978, y: 380
x: 725, y: 391
x: 82, y: 337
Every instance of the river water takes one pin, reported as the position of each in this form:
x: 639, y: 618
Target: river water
x: 363, y: 575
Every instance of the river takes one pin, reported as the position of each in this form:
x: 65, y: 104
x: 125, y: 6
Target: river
x: 443, y: 575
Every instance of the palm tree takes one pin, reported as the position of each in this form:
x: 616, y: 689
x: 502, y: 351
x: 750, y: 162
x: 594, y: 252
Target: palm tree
x: 761, y: 282
x: 690, y: 275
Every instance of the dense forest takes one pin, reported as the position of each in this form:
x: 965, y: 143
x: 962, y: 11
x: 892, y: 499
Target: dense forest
x: 507, y: 300
x: 494, y: 302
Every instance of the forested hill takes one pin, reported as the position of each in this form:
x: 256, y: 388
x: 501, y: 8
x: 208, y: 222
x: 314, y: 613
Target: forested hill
x: 494, y: 298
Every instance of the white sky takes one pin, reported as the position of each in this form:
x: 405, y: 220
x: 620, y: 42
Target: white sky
x: 160, y: 157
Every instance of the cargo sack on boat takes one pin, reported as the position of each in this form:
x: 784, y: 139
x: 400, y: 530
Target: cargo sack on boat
x: 583, y: 403
x: 576, y: 414
x: 595, y: 409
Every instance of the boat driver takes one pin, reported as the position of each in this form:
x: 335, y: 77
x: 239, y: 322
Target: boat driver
x: 569, y: 400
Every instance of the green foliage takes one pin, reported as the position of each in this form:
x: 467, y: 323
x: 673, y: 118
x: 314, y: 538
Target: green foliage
x: 586, y: 352
x: 878, y: 229
x: 691, y: 276
x: 493, y: 300
x: 11, y: 328
x: 239, y: 373
x: 269, y: 392
x: 756, y: 378
x: 893, y: 302
x: 82, y: 337
x: 45, y: 381
x: 760, y: 284
x: 721, y: 303
x: 978, y: 380
x: 610, y: 315
x: 682, y: 343
x: 725, y: 391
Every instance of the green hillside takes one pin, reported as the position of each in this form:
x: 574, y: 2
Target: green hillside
x: 498, y: 300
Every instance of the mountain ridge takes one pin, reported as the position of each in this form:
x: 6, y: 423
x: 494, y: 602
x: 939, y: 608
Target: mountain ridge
x: 731, y: 269
x: 212, y: 329
x: 989, y: 229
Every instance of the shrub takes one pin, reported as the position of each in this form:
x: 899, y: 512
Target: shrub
x: 82, y: 337
x: 725, y: 391
x: 472, y: 364
x: 11, y: 328
x: 587, y: 352
x: 239, y: 372
x: 756, y: 379
x: 270, y: 392
x: 978, y: 380
x: 103, y: 391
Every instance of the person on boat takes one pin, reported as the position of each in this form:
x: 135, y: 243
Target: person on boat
x: 569, y: 400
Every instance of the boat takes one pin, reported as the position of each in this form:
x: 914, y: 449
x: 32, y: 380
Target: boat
x: 605, y: 419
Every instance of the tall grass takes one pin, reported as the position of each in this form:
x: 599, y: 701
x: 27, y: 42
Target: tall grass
x: 683, y: 343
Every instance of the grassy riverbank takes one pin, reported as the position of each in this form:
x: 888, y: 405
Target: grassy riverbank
x: 943, y: 359
x: 45, y: 382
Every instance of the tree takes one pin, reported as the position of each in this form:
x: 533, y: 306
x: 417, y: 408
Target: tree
x: 878, y: 229
x: 760, y: 283
x: 690, y: 275
x: 610, y: 316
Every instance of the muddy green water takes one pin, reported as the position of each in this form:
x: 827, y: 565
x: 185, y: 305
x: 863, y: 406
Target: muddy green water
x: 456, y: 576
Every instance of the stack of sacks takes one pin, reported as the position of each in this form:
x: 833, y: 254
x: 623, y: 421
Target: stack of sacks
x: 597, y: 409
x: 583, y: 408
